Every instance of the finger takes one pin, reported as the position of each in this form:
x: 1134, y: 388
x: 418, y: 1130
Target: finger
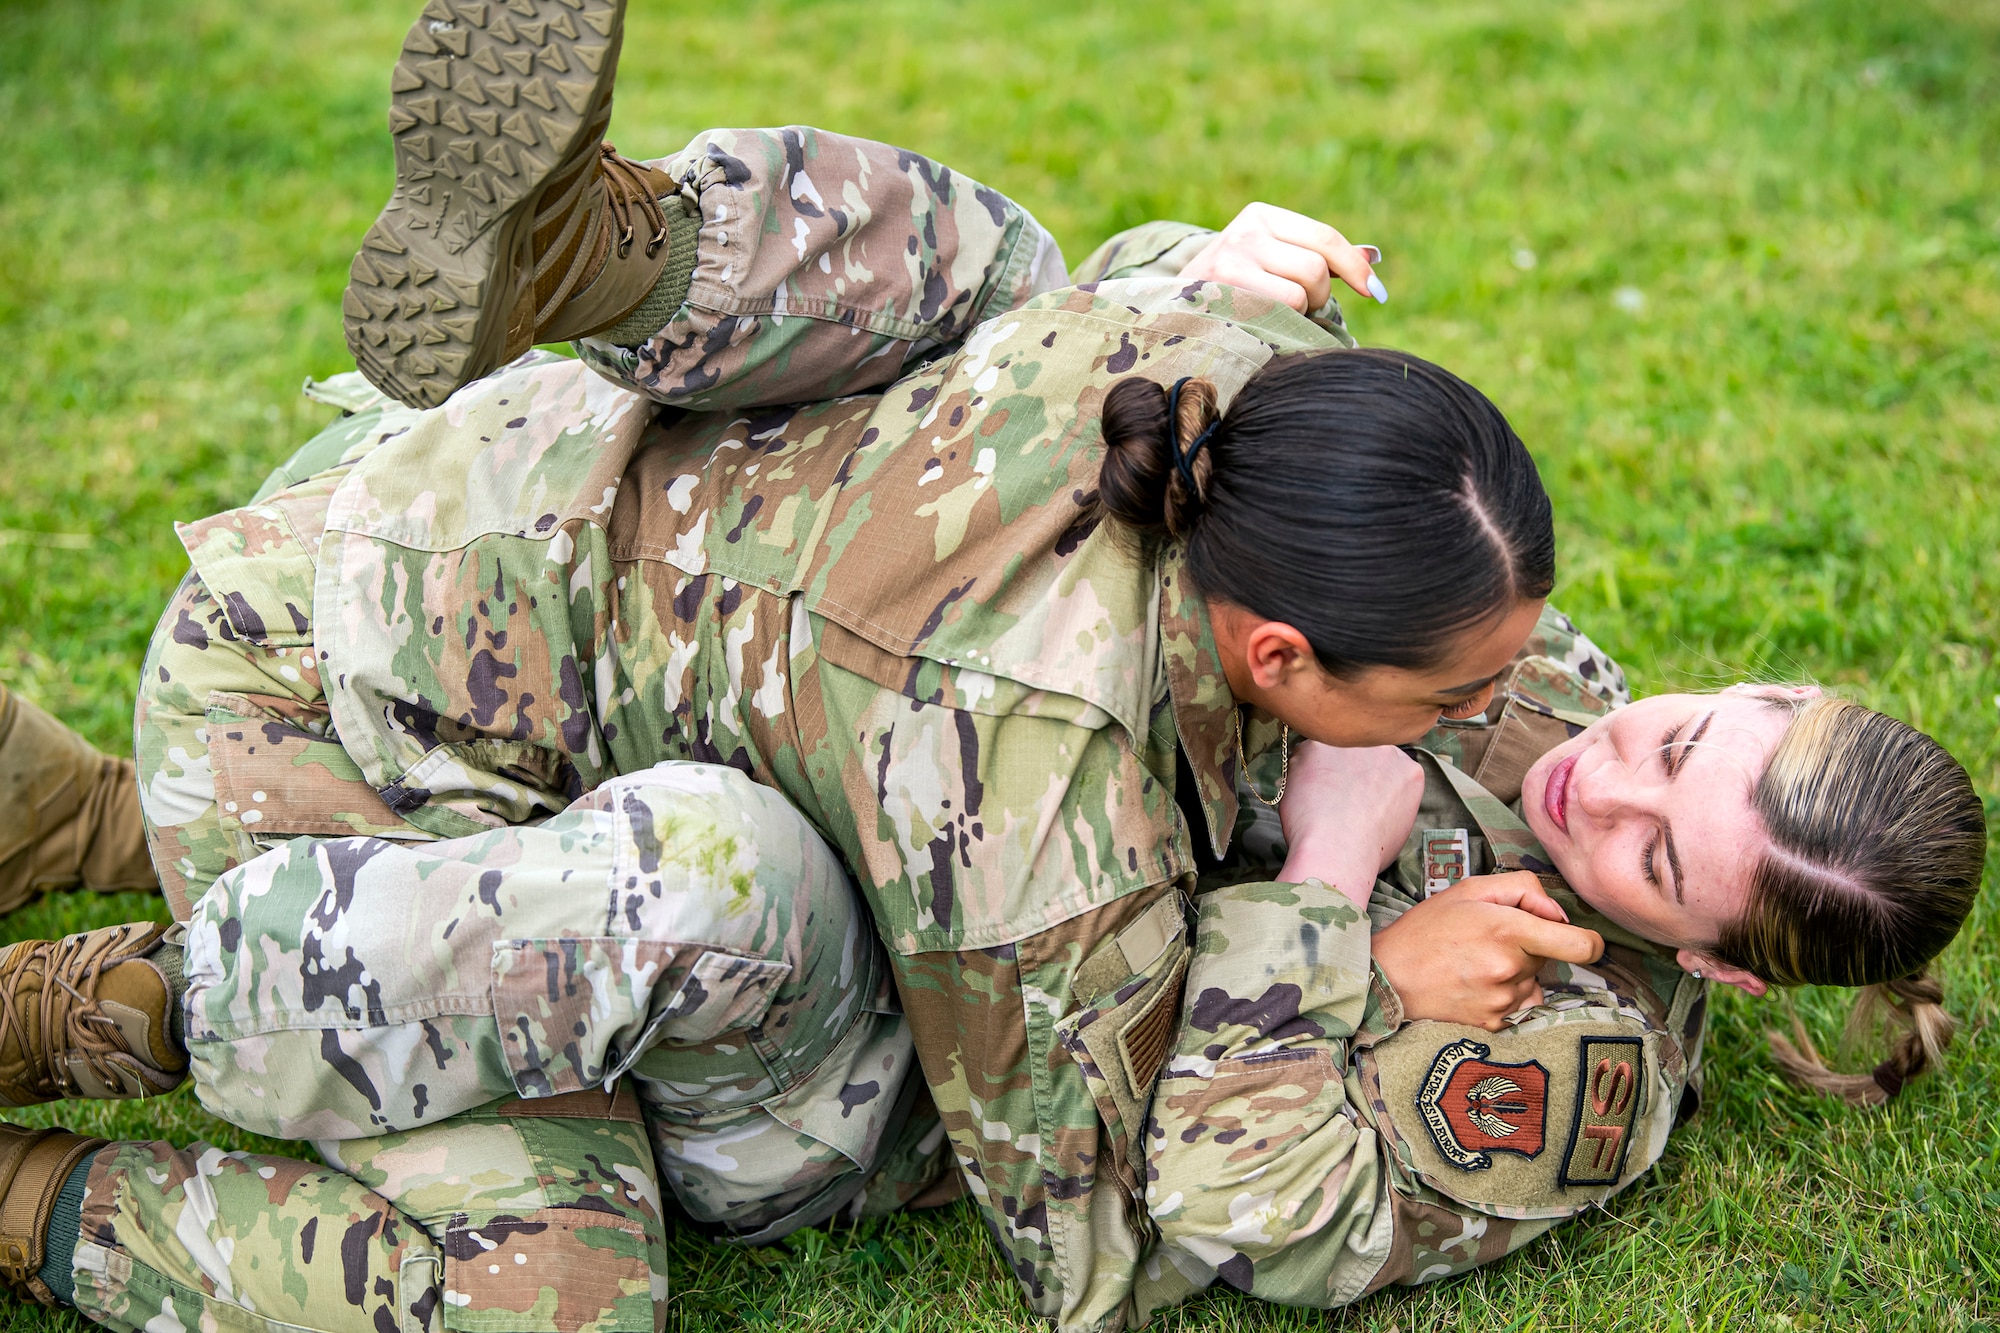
x: 1199, y: 267
x: 1535, y: 899
x: 1302, y: 264
x: 1566, y: 944
x: 1514, y: 888
x: 1233, y: 270
x: 1349, y: 262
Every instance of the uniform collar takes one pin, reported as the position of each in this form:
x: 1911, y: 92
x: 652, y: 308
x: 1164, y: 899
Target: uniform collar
x: 1204, y: 709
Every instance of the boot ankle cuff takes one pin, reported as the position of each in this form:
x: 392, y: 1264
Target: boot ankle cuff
x: 670, y: 289
x: 65, y: 1229
x: 34, y: 1167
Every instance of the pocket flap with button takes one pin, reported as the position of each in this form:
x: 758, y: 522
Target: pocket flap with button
x: 1128, y: 994
x: 276, y: 778
x: 723, y: 992
x: 259, y: 571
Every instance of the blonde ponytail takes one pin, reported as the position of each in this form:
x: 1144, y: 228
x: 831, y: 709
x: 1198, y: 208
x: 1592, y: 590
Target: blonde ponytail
x: 1919, y: 1030
x: 1878, y: 841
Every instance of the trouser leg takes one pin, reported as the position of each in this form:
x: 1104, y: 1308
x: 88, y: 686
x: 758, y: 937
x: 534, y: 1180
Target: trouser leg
x: 71, y: 813
x: 195, y: 671
x: 546, y: 1212
x: 542, y: 1218
x: 196, y: 1238
x: 683, y: 924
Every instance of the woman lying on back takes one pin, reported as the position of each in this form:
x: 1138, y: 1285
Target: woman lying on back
x: 1317, y: 1133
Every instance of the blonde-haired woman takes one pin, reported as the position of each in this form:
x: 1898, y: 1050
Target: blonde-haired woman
x: 1765, y: 835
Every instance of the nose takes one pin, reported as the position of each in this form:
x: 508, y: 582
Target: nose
x: 1611, y: 788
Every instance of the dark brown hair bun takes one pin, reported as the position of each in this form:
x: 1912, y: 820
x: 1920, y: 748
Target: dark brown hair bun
x: 1141, y: 482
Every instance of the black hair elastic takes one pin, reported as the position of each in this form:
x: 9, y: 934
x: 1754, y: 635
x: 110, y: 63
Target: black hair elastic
x: 1184, y: 459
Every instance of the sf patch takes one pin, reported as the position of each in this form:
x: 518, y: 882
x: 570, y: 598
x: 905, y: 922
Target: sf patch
x: 1607, y: 1105
x: 1475, y: 1107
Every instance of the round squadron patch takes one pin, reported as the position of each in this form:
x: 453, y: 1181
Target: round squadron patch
x: 1475, y: 1107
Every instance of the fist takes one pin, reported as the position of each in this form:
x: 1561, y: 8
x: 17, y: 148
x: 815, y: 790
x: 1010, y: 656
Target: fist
x: 1470, y: 954
x: 1346, y: 813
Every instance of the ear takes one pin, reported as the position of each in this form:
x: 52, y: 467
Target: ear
x: 1747, y: 982
x: 1275, y: 652
x: 1759, y: 690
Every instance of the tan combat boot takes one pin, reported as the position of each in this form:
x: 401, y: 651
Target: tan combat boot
x: 511, y: 222
x: 87, y: 1015
x: 69, y: 815
x: 34, y: 1165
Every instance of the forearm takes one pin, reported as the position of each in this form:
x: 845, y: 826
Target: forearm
x: 822, y: 265
x: 1336, y: 862
x: 1255, y: 1151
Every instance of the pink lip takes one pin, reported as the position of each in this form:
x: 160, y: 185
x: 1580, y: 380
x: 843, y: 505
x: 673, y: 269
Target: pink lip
x: 1555, y: 793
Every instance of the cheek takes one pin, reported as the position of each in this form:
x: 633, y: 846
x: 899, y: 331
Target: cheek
x: 1612, y: 869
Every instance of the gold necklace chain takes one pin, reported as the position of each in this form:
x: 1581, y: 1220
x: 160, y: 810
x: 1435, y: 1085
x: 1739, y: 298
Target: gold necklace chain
x: 1284, y: 761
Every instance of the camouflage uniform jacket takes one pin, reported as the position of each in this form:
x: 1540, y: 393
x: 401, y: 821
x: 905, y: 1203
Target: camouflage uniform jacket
x: 895, y: 607
x: 1300, y: 1154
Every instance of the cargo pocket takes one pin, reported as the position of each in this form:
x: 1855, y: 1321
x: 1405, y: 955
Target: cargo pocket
x: 276, y: 778
x: 558, y: 1269
x: 601, y: 1261
x: 723, y: 992
x: 575, y: 1012
x: 753, y: 1176
x: 1128, y: 995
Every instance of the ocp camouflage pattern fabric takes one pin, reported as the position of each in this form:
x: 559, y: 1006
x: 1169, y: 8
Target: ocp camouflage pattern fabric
x: 346, y: 988
x: 897, y: 610
x: 541, y: 1217
x: 447, y: 1023
x: 826, y: 263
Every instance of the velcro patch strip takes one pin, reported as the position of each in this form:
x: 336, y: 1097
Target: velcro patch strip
x: 1607, y: 1106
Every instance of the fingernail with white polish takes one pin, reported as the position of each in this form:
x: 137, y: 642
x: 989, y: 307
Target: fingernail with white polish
x: 1374, y: 254
x: 1377, y: 290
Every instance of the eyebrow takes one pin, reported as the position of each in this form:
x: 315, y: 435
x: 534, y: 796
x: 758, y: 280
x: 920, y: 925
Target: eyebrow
x: 1700, y: 730
x: 1674, y: 860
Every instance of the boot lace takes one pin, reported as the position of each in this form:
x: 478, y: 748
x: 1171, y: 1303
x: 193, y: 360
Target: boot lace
x: 626, y: 188
x: 70, y: 1019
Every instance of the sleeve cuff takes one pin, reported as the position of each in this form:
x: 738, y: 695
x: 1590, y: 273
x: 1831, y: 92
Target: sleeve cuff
x: 1384, y: 1013
x: 1149, y: 249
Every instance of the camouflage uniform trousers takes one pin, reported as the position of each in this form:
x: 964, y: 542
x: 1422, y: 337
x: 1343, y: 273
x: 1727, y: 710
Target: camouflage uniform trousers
x: 441, y: 1019
x: 494, y: 1220
x: 202, y: 681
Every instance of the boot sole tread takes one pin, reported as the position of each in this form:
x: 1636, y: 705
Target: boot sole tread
x: 488, y: 100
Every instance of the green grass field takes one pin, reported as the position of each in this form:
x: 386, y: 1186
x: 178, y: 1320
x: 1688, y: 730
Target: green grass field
x: 1732, y: 269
